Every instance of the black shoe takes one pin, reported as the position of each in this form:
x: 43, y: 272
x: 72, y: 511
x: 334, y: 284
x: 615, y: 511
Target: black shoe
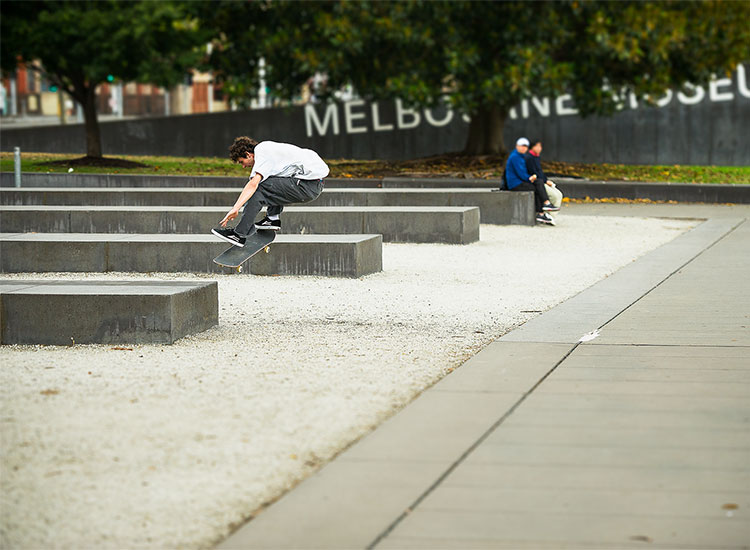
x: 550, y: 208
x: 543, y: 217
x: 267, y: 224
x: 230, y: 236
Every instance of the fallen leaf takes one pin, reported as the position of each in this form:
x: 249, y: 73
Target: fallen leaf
x: 49, y: 392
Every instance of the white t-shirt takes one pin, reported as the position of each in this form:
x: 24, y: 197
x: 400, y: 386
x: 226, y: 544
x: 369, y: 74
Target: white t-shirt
x: 285, y: 160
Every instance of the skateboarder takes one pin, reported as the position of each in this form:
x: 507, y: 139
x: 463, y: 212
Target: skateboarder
x: 281, y: 174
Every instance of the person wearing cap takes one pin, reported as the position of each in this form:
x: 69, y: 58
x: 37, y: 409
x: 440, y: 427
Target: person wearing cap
x: 518, y: 179
x: 534, y: 166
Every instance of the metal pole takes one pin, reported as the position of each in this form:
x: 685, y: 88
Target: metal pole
x: 17, y: 164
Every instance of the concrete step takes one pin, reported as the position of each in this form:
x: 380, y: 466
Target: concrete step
x: 496, y: 207
x: 322, y: 255
x: 458, y: 225
x: 105, y: 312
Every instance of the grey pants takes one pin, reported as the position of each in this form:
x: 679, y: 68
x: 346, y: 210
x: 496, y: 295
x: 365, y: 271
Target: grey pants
x: 275, y: 193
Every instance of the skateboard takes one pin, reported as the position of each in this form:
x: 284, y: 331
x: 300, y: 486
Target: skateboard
x: 235, y: 256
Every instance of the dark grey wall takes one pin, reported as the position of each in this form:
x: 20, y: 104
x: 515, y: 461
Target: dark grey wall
x: 714, y: 130
x: 705, y: 134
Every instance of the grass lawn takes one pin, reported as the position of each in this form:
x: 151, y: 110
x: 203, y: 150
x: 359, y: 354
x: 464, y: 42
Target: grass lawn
x: 439, y: 166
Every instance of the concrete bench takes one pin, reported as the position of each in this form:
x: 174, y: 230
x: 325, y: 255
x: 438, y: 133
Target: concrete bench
x: 418, y: 224
x: 323, y: 255
x: 105, y: 312
x: 504, y: 207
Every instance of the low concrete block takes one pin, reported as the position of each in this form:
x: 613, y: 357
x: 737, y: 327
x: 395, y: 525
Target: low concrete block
x: 105, y: 312
x: 322, y: 255
x: 502, y: 207
x: 126, y: 196
x: 417, y: 224
x: 496, y: 207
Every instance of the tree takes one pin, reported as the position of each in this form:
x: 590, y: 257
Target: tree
x: 77, y: 44
x: 609, y: 50
x: 485, y: 57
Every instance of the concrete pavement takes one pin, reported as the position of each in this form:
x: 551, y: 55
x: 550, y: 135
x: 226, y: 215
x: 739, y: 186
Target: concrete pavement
x: 618, y: 419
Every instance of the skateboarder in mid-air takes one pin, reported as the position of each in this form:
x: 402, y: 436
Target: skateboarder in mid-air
x: 281, y: 174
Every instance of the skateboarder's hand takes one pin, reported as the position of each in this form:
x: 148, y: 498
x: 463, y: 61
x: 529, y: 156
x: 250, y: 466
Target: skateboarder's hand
x: 233, y: 213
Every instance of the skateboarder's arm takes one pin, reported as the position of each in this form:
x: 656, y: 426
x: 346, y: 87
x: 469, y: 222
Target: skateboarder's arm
x: 247, y: 192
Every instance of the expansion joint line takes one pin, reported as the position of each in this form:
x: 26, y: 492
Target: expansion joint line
x: 388, y: 530
x: 467, y: 452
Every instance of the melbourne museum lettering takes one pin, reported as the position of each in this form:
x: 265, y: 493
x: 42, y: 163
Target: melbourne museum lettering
x: 357, y: 117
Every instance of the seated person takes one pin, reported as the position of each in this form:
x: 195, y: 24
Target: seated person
x: 534, y: 166
x: 518, y: 179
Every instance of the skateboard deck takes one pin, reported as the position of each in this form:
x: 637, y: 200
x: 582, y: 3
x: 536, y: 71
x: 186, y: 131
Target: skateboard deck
x: 235, y: 256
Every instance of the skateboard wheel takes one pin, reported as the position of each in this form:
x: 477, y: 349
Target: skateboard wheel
x: 267, y: 249
x: 239, y: 269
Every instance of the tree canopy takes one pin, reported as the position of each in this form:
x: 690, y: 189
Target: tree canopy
x: 481, y: 58
x: 77, y: 44
x: 484, y: 57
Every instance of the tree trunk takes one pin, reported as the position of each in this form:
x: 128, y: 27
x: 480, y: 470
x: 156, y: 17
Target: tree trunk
x: 486, y: 131
x: 93, y: 136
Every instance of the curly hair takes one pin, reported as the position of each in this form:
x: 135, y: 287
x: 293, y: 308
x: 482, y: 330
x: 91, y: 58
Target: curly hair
x: 241, y: 146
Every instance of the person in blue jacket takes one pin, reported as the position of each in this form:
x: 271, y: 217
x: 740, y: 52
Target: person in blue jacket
x: 518, y: 179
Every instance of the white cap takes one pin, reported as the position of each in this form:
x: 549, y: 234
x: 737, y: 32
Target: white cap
x: 522, y: 141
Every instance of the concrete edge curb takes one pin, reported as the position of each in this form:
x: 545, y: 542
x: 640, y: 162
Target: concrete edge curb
x: 681, y: 192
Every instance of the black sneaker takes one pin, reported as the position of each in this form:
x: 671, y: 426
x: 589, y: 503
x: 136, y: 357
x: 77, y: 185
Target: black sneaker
x: 550, y: 208
x: 545, y: 218
x: 268, y: 224
x: 230, y: 236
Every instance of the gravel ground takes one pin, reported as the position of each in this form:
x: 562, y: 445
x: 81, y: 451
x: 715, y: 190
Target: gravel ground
x: 171, y: 446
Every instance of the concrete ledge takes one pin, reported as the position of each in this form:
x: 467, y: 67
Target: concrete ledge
x: 680, y: 192
x: 573, y: 188
x: 322, y: 255
x: 38, y: 179
x: 496, y: 207
x: 502, y: 207
x: 457, y: 225
x: 125, y: 196
x: 105, y: 312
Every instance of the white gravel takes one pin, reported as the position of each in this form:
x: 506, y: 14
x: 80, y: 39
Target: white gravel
x: 169, y: 446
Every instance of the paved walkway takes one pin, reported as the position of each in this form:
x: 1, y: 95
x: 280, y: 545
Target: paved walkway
x: 638, y: 437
